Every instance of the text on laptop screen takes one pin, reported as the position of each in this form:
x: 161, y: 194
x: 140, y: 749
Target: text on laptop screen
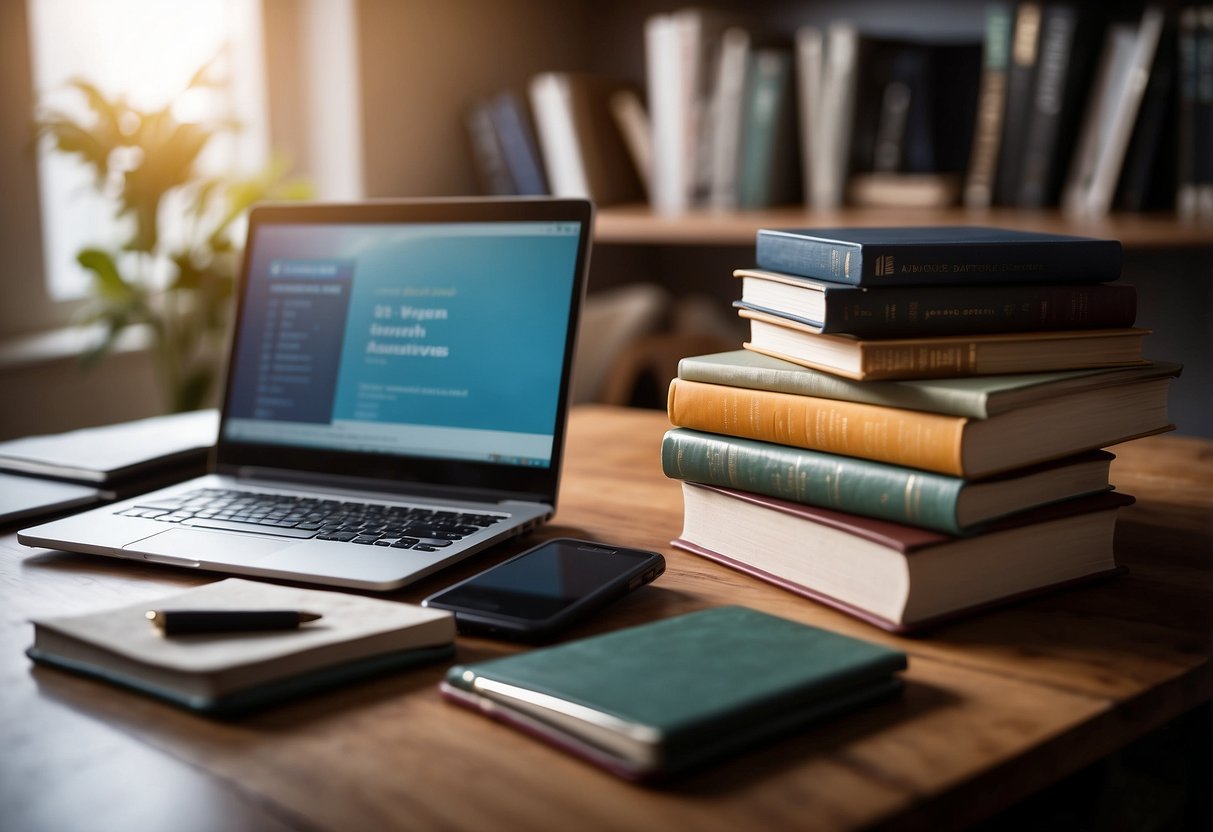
x: 435, y: 340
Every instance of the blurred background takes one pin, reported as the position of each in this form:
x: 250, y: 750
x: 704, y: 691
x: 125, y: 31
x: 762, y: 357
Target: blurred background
x: 353, y: 99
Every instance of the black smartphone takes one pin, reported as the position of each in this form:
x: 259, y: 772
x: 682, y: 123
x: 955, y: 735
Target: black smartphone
x: 544, y: 589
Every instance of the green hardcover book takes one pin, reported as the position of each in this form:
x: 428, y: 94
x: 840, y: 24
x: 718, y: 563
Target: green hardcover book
x: 978, y: 397
x: 873, y: 489
x: 767, y: 172
x: 656, y: 699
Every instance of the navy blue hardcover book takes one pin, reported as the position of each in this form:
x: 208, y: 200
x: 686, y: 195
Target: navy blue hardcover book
x: 519, y: 148
x: 939, y: 255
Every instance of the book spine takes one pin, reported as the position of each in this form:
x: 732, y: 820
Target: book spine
x: 1115, y: 140
x: 902, y: 437
x: 991, y: 105
x: 491, y: 168
x: 906, y: 312
x: 826, y: 260
x: 766, y: 173
x: 518, y: 144
x: 1148, y: 175
x: 1035, y: 183
x: 1025, y: 43
x: 802, y: 382
x: 1186, y: 149
x: 872, y: 489
x: 1204, y: 114
x: 872, y: 265
x: 552, y: 102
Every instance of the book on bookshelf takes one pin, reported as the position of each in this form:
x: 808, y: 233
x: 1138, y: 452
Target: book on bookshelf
x: 1021, y: 72
x: 1149, y: 174
x: 991, y: 107
x: 725, y: 117
x: 1100, y: 191
x: 1186, y: 126
x: 941, y: 255
x: 488, y: 159
x: 979, y: 397
x: 1065, y: 58
x: 680, y: 49
x: 958, y: 446
x: 941, y: 356
x: 767, y: 164
x: 583, y: 151
x: 1204, y: 113
x: 356, y: 638
x: 515, y: 133
x: 873, y: 489
x: 1112, y: 70
x: 827, y: 69
x: 1196, y: 111
x: 810, y: 51
x: 823, y: 306
x: 632, y: 119
x: 618, y: 700
x: 898, y: 577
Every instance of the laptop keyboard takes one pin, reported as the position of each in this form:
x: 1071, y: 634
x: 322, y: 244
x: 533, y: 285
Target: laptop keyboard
x: 368, y: 524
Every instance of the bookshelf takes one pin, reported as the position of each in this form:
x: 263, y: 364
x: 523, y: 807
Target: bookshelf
x: 640, y: 225
x: 415, y: 144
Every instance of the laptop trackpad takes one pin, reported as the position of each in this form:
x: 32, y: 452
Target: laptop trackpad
x: 191, y: 546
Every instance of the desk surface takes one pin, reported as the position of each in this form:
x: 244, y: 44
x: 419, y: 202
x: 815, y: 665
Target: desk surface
x: 996, y: 706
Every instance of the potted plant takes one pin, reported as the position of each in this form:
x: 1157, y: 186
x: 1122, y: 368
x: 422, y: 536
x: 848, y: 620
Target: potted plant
x: 178, y: 286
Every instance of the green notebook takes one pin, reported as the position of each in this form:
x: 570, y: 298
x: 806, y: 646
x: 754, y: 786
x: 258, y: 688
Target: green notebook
x: 656, y: 699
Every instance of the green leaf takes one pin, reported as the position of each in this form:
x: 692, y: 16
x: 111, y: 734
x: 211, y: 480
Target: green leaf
x: 106, y: 277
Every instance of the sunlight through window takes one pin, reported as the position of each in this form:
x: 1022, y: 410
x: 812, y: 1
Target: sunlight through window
x: 146, y: 50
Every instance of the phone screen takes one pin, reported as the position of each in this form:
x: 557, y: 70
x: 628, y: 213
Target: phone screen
x: 544, y: 581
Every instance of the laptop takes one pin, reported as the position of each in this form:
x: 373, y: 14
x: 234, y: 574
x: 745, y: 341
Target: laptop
x: 395, y: 401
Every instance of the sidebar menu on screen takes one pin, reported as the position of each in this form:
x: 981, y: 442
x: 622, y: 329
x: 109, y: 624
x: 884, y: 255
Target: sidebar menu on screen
x: 290, y: 345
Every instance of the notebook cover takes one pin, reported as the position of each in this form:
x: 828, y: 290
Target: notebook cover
x: 250, y: 699
x: 754, y: 675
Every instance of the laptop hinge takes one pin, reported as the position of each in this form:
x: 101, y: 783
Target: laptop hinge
x: 331, y: 483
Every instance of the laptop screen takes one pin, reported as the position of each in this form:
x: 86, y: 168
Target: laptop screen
x: 437, y: 338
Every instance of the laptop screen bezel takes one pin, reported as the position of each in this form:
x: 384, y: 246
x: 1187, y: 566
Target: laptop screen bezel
x: 398, y: 473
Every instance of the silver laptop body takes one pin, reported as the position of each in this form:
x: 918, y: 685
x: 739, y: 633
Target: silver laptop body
x: 396, y: 397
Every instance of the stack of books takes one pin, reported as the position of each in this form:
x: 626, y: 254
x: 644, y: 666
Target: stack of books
x: 914, y: 429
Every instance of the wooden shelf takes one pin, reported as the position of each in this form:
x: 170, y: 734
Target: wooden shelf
x: 639, y: 225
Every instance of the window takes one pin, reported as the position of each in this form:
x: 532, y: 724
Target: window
x: 146, y: 50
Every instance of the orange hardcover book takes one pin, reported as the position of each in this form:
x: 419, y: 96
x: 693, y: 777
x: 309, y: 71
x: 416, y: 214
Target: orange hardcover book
x: 955, y: 445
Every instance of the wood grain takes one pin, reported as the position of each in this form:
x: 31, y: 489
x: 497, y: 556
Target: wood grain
x: 996, y: 706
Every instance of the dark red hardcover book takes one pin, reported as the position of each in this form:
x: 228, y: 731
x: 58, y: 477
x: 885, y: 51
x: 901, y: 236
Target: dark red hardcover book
x: 900, y: 578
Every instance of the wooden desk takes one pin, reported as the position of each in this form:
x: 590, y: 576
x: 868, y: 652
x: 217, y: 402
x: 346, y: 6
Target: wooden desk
x: 996, y: 706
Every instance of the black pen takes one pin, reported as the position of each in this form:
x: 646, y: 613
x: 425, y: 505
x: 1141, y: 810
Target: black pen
x: 184, y: 622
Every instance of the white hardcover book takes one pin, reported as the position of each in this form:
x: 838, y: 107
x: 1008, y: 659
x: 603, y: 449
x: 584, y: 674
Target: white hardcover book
x: 810, y: 49
x: 837, y: 114
x: 725, y: 117
x: 1110, y: 77
x: 551, y: 101
x: 1115, y: 141
x: 668, y: 65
